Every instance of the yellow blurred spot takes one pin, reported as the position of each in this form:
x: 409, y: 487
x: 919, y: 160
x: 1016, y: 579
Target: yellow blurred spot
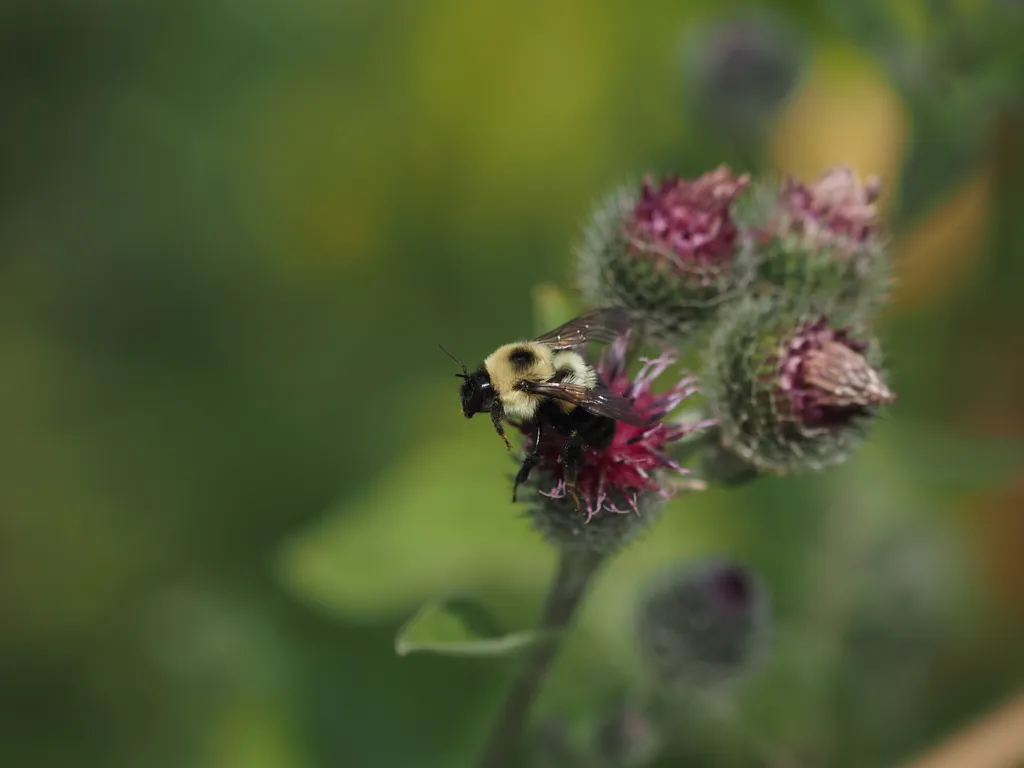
x: 845, y: 113
x: 934, y: 257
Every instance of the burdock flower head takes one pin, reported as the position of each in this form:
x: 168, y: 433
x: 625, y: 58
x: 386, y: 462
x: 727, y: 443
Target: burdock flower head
x: 838, y: 207
x: 703, y: 624
x: 824, y: 237
x: 686, y: 225
x: 621, y: 487
x: 791, y: 388
x: 667, y: 251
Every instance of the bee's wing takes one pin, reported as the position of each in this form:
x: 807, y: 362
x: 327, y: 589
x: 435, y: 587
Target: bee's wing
x: 599, y: 400
x: 600, y: 325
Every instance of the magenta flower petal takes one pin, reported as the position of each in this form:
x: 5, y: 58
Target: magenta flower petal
x: 836, y: 206
x: 687, y: 222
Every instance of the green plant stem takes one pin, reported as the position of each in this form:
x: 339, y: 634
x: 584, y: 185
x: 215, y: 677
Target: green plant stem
x: 574, y: 574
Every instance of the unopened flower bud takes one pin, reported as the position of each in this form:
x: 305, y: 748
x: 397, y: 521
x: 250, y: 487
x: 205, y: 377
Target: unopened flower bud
x: 791, y: 390
x: 667, y: 252
x: 703, y: 625
x: 739, y: 72
x: 825, y: 237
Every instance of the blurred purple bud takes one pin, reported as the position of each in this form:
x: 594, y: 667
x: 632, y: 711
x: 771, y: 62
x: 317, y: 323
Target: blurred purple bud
x: 739, y: 72
x: 704, y: 624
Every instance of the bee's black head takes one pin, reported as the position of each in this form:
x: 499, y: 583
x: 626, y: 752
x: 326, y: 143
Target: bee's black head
x: 476, y: 392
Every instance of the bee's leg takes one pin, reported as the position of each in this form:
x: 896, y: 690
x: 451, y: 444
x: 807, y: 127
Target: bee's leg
x: 573, y: 457
x: 531, y: 460
x: 497, y: 414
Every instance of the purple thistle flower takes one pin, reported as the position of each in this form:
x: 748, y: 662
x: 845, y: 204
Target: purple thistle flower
x: 669, y: 251
x: 613, y: 478
x: 687, y: 224
x: 824, y: 239
x: 838, y: 206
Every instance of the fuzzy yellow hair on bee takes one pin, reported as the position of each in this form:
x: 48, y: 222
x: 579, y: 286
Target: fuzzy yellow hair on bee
x: 512, y: 364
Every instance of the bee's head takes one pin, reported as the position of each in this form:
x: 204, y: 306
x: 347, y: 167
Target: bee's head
x: 476, y: 393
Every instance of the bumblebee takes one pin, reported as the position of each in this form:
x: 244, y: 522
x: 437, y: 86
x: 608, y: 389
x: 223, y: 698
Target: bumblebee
x: 545, y: 382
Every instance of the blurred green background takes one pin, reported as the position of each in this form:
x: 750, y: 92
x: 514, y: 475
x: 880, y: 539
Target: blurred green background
x: 233, y: 463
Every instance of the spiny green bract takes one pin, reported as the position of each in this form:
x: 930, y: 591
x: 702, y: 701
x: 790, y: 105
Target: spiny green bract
x: 567, y: 528
x: 793, y: 383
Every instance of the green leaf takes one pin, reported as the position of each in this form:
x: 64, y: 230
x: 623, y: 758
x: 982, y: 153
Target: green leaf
x: 438, y: 521
x: 460, y: 627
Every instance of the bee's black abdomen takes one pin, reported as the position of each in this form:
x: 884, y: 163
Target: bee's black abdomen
x: 550, y: 413
x: 596, y: 431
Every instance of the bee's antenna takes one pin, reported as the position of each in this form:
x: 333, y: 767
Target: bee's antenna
x: 465, y: 373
